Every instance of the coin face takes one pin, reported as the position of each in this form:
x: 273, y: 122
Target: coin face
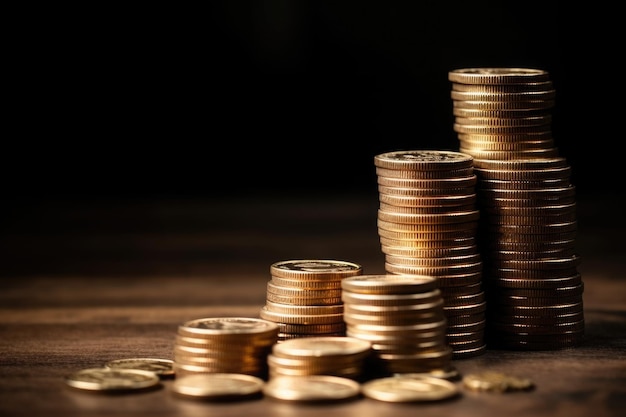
x: 496, y: 382
x: 311, y: 388
x: 109, y: 379
x: 383, y: 284
x: 409, y: 388
x: 321, y: 346
x: 497, y: 75
x: 422, y: 159
x: 218, y: 386
x: 314, y: 269
x: 161, y: 367
x: 230, y: 325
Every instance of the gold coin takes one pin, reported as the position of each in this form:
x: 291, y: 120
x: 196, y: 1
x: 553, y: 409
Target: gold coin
x: 321, y: 346
x: 311, y: 388
x: 409, y: 388
x: 218, y: 386
x: 498, y: 75
x: 496, y: 382
x: 389, y: 284
x: 423, y: 160
x: 315, y: 269
x: 161, y: 367
x: 110, y: 379
x: 223, y: 326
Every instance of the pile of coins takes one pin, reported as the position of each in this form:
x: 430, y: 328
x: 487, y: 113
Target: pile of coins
x: 304, y: 297
x: 224, y: 345
x: 528, y: 220
x: 427, y: 225
x: 403, y: 318
x: 323, y: 355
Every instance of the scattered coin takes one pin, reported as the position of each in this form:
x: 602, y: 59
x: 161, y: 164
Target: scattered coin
x: 109, y: 379
x: 218, y: 386
x: 496, y: 382
x: 409, y: 388
x: 162, y: 367
x: 311, y: 388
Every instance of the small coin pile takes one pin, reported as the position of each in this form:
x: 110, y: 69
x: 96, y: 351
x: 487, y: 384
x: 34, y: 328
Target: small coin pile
x: 304, y: 297
x: 340, y: 356
x: 528, y: 209
x: 427, y: 225
x: 403, y: 318
x: 224, y: 345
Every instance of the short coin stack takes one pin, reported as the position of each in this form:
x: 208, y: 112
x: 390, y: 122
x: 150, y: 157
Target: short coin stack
x: 528, y: 221
x: 403, y: 318
x: 304, y: 297
x: 340, y: 356
x: 427, y: 225
x: 224, y: 345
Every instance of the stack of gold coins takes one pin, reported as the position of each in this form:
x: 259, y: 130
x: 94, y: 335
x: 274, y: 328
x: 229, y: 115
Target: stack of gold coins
x: 304, y: 297
x: 403, y: 318
x: 340, y: 356
x: 427, y: 225
x: 527, y: 202
x: 224, y: 345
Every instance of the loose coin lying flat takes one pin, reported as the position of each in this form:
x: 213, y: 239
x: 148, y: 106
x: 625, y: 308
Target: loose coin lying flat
x: 409, y: 388
x: 218, y: 386
x: 109, y: 379
x: 311, y: 388
x: 496, y: 382
x: 162, y: 367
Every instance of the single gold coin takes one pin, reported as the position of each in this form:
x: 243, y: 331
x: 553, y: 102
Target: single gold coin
x: 162, y: 367
x: 498, y: 75
x: 311, y: 388
x: 493, y: 381
x: 218, y: 386
x: 321, y: 346
x: 409, y: 388
x: 110, y: 379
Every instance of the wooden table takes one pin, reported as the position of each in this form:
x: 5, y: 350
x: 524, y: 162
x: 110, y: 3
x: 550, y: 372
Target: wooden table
x: 85, y: 282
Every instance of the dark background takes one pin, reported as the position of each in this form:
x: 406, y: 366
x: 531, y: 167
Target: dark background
x: 277, y: 97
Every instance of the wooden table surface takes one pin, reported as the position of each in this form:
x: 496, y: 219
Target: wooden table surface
x: 85, y: 282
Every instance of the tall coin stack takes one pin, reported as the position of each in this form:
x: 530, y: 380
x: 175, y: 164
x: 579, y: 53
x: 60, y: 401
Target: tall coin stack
x: 224, y: 345
x: 528, y: 209
x: 427, y: 225
x: 403, y: 319
x: 304, y: 297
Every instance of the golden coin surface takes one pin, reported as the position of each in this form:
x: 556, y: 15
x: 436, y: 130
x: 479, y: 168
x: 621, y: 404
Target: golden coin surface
x: 409, y: 388
x: 109, y: 379
x: 228, y: 325
x: 496, y: 382
x: 161, y: 367
x: 498, y: 75
x: 423, y: 159
x: 389, y: 284
x: 321, y: 346
x: 314, y: 269
x: 311, y: 388
x: 218, y: 385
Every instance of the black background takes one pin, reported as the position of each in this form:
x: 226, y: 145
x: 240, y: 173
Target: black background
x: 274, y: 97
